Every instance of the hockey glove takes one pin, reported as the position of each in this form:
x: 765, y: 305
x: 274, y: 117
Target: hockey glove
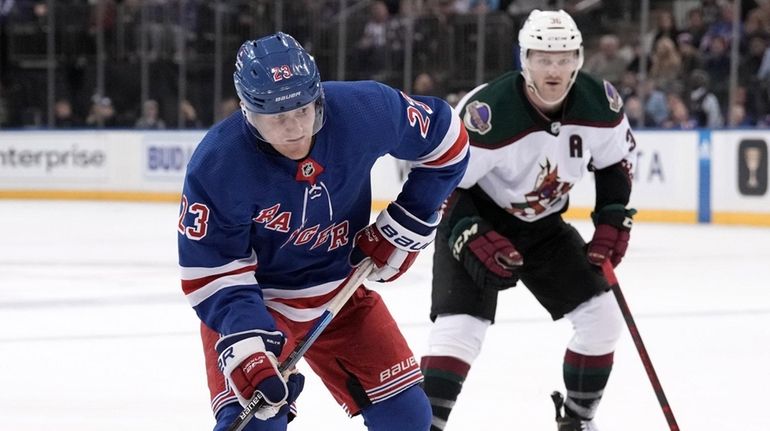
x: 248, y: 361
x: 392, y: 242
x: 613, y: 230
x: 488, y: 257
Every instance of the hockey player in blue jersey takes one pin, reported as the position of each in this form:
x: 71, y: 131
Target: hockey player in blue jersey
x: 275, y: 211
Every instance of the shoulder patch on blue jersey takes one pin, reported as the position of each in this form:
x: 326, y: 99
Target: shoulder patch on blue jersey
x: 478, y: 117
x: 616, y: 102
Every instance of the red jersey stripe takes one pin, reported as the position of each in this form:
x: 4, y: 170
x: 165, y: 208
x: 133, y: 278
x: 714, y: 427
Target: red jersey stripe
x: 190, y: 286
x: 457, y: 147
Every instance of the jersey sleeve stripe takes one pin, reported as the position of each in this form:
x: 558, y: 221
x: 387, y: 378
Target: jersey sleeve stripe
x: 454, y: 143
x: 192, y: 272
x: 457, y: 151
x: 245, y: 278
x: 190, y: 286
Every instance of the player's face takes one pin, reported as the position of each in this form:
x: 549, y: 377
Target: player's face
x: 551, y: 72
x: 290, y: 132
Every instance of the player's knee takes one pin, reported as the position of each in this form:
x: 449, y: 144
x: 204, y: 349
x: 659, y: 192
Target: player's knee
x: 228, y: 413
x: 458, y: 335
x: 409, y: 410
x: 598, y: 325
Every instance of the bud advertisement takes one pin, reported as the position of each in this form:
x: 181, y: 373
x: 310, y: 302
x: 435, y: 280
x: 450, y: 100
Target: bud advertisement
x: 166, y: 154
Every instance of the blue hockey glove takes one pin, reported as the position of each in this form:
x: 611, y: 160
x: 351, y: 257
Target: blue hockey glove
x: 489, y: 258
x: 392, y: 242
x: 248, y: 361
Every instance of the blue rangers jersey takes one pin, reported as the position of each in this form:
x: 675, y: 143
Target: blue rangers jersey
x: 258, y: 230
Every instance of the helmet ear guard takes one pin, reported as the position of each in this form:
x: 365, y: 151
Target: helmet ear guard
x: 549, y: 31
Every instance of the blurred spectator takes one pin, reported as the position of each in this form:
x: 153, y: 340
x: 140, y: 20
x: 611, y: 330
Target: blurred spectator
x: 696, y: 26
x: 710, y: 10
x: 753, y: 27
x: 722, y: 29
x: 679, y: 116
x: 453, y: 98
x: 666, y: 63
x: 189, y: 115
x: 704, y: 105
x: 102, y: 113
x: 227, y: 107
x: 689, y: 53
x: 442, y: 10
x: 628, y: 85
x: 374, y: 46
x: 64, y: 117
x: 519, y: 9
x: 717, y: 65
x: 636, y: 61
x: 763, y: 73
x: 424, y: 85
x: 607, y: 61
x: 737, y: 116
x: 748, y: 69
x: 655, y: 104
x: 664, y: 27
x: 751, y: 105
x: 476, y: 6
x: 150, y: 118
x: 633, y: 108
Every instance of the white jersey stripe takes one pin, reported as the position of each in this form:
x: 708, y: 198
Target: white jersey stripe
x: 203, y: 293
x: 191, y: 273
x: 297, y: 314
x: 308, y: 292
x: 452, y: 133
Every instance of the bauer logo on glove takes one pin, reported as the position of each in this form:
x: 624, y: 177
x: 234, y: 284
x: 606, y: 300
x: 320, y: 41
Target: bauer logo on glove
x: 392, y: 242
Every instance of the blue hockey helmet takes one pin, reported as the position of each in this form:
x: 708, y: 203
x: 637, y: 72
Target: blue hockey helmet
x: 275, y: 74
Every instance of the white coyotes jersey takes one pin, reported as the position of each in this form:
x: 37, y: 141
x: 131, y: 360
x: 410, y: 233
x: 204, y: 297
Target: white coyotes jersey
x: 528, y: 164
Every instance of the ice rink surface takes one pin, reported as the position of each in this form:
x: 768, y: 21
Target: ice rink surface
x: 97, y: 336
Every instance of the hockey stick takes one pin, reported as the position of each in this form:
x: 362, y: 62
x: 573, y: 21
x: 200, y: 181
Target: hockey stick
x: 609, y: 273
x: 347, y: 288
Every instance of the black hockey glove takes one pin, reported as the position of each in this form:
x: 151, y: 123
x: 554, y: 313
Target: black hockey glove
x: 613, y: 230
x: 488, y: 257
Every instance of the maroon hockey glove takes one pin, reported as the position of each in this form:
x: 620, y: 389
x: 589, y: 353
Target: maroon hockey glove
x: 248, y: 361
x: 488, y: 257
x: 613, y: 230
x: 392, y: 242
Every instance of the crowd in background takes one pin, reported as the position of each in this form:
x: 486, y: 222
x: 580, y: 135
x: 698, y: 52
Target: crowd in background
x: 686, y: 52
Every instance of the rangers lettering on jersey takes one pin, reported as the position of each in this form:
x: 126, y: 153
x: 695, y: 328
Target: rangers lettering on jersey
x: 335, y: 234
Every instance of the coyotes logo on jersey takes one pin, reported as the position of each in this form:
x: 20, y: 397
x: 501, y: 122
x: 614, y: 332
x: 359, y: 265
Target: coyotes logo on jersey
x: 548, y: 190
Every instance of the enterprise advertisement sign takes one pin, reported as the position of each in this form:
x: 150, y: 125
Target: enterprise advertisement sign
x: 54, y: 156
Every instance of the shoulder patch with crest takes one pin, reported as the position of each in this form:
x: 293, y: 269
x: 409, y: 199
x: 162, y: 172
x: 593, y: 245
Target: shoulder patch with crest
x: 616, y: 102
x: 478, y: 117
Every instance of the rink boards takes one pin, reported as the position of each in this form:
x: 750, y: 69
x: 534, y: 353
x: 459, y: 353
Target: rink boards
x: 704, y: 176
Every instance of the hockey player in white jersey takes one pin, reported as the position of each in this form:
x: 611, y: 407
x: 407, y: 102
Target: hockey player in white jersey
x: 533, y: 135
